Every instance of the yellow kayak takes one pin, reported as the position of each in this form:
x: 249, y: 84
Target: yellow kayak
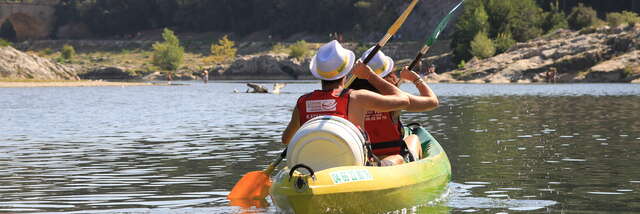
x: 365, y: 189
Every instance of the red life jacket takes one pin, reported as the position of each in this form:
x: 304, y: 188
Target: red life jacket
x: 324, y: 102
x: 384, y: 133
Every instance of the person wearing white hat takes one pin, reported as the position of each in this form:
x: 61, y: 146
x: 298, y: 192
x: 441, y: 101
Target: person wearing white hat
x: 331, y: 64
x: 385, y: 128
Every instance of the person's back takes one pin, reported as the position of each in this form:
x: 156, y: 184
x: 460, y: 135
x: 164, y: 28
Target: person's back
x: 385, y: 128
x: 331, y: 64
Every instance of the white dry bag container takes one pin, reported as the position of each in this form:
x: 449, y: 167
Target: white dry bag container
x: 325, y: 142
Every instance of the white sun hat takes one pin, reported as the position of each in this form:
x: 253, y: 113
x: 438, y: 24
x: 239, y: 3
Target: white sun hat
x: 332, y: 61
x: 381, y: 64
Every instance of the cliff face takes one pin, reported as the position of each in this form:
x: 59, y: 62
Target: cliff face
x: 605, y: 55
x: 15, y: 64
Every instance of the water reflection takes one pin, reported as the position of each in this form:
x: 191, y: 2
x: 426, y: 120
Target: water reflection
x: 180, y: 149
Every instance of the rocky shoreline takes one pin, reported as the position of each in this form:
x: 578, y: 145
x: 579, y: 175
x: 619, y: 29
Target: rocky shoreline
x: 594, y: 55
x: 604, y: 55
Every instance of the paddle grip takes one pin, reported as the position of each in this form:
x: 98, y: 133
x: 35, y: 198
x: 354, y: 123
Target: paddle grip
x: 415, y: 61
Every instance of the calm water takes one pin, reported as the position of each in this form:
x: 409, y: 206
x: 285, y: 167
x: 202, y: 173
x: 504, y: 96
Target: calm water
x: 179, y: 149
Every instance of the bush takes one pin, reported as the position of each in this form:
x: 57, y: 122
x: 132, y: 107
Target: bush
x: 299, y: 49
x: 474, y: 19
x: 626, y: 17
x: 5, y: 43
x: 582, y: 17
x: 504, y: 42
x: 482, y: 47
x: 555, y: 19
x: 223, y: 51
x: 68, y: 52
x: 278, y: 48
x: 527, y: 24
x: 168, y: 55
x: 462, y: 64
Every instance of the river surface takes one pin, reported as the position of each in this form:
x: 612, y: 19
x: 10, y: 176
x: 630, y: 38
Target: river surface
x: 565, y: 148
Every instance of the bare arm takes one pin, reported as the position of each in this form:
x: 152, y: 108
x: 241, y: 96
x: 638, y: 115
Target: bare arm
x: 292, y: 128
x: 369, y: 100
x: 392, y: 99
x: 427, y: 100
x: 364, y: 72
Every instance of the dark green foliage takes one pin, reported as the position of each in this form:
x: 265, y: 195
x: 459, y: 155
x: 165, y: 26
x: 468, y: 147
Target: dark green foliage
x: 522, y: 20
x: 482, y: 47
x: 68, y: 52
x: 7, y: 32
x: 168, y: 55
x: 581, y: 17
x: 474, y: 19
x: 503, y: 42
x: 527, y: 24
x: 555, y: 19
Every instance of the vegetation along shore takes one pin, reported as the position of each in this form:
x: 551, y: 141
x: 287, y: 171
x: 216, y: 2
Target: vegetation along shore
x: 491, y: 41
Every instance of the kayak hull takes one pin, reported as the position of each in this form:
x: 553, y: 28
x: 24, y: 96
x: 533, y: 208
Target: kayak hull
x: 356, y: 189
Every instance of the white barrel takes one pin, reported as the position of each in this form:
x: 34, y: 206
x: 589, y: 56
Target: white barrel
x: 325, y: 142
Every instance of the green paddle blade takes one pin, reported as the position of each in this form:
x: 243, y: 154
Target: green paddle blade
x: 443, y: 24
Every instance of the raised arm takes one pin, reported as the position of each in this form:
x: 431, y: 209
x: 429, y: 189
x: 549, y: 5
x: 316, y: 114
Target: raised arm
x: 292, y: 128
x: 363, y: 71
x: 427, y: 100
x: 392, y: 99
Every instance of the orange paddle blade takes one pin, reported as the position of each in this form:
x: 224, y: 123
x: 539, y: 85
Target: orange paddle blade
x: 253, y: 185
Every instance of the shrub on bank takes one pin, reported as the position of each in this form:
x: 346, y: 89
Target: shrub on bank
x: 168, y: 55
x: 482, y: 47
x: 582, y: 17
x: 626, y: 17
x: 223, y: 51
x: 5, y: 43
x: 555, y: 19
x: 68, y: 52
x: 504, y: 42
x: 299, y: 50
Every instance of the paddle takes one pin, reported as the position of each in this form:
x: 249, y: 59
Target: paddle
x: 392, y: 31
x: 255, y: 184
x: 436, y: 32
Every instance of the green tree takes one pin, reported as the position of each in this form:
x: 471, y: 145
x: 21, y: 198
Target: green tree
x: 504, y: 42
x: 555, y: 19
x: 500, y: 13
x: 527, y: 24
x: 482, y: 47
x: 168, y: 55
x: 625, y: 17
x: 224, y: 51
x: 299, y: 50
x: 581, y: 17
x: 474, y: 19
x: 68, y: 52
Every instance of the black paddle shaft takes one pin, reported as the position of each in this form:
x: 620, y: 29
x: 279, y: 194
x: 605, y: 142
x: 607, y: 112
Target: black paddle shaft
x: 372, y: 53
x: 415, y: 61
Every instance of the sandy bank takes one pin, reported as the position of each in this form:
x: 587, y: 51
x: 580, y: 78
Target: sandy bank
x: 73, y: 84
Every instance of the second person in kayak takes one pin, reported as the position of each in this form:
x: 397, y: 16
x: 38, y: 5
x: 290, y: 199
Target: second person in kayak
x: 385, y: 130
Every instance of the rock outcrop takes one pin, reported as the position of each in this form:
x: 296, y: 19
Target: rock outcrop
x: 270, y: 66
x: 108, y: 73
x: 605, y: 55
x: 15, y: 64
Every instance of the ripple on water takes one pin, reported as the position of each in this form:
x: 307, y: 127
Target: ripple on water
x: 606, y: 193
x: 477, y: 183
x: 525, y: 208
x: 573, y: 160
